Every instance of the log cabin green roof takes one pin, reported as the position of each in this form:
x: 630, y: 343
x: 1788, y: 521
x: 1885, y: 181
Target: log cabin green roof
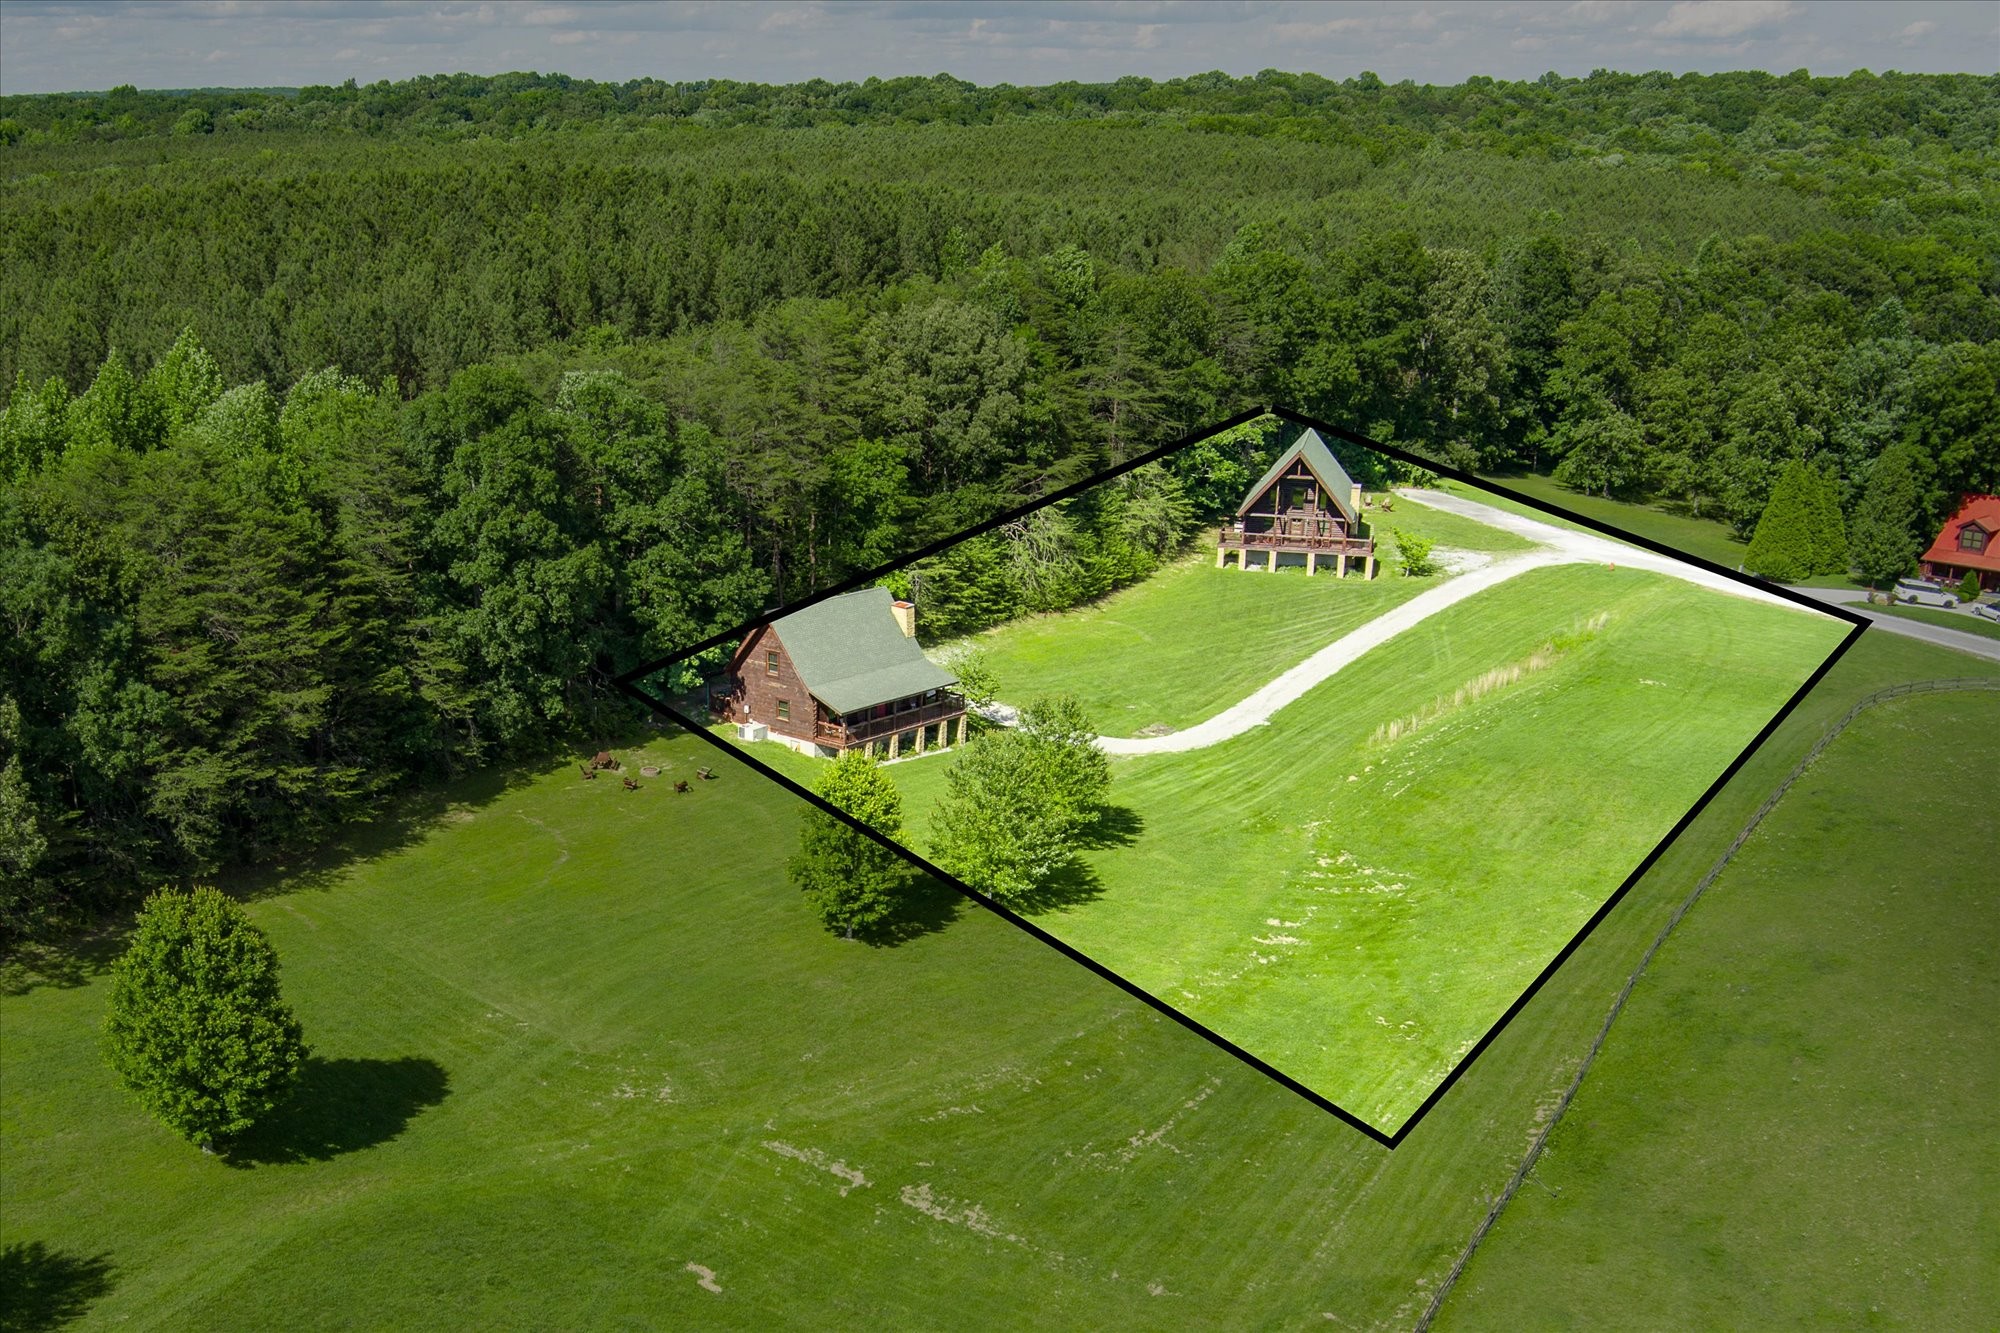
x: 1310, y: 449
x: 851, y: 653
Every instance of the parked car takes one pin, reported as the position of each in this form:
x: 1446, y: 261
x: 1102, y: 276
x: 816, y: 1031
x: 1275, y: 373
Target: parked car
x: 1922, y: 592
x: 1988, y: 611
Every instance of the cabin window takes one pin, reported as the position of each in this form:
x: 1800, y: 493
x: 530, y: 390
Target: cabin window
x: 1325, y: 528
x: 771, y: 663
x: 784, y: 710
x: 1971, y: 539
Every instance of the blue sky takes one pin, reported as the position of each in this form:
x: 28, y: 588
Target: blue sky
x: 60, y: 45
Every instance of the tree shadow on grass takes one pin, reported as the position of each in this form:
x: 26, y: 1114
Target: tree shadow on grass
x: 41, y: 1288
x: 1115, y: 826
x: 75, y: 961
x: 1077, y: 881
x: 925, y: 906
x: 341, y: 1106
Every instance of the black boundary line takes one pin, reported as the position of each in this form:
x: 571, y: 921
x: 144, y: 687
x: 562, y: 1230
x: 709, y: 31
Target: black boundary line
x: 1638, y: 873
x: 1069, y: 951
x: 925, y: 552
x: 1605, y: 529
x: 1858, y: 624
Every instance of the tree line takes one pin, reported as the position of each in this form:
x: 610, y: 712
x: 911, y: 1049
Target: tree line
x: 452, y: 439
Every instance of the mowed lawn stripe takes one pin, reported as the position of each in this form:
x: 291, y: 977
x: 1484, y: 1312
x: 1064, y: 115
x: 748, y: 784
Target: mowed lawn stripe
x: 1498, y: 827
x: 1003, y: 1077
x: 1019, y: 1122
x: 1793, y: 1121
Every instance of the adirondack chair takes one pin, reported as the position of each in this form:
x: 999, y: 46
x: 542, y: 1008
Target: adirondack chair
x: 630, y: 785
x: 703, y: 774
x: 589, y: 773
x: 680, y: 785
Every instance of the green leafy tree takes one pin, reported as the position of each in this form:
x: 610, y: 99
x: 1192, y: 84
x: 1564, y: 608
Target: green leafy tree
x: 1413, y: 553
x: 976, y: 679
x: 1785, y: 547
x: 1603, y: 451
x: 1001, y: 827
x: 850, y: 880
x: 1886, y: 543
x: 1065, y: 741
x: 1968, y: 587
x: 195, y: 1025
x: 1015, y: 801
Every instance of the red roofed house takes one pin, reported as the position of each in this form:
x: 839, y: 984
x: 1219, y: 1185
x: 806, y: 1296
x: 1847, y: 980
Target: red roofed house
x: 1970, y: 540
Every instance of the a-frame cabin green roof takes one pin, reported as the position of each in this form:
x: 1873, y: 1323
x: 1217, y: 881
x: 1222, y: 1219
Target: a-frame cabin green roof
x: 1334, y: 483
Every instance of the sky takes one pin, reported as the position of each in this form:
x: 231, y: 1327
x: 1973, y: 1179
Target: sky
x: 69, y: 45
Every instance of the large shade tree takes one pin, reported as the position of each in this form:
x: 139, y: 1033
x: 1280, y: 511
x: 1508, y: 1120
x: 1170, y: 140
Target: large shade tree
x: 196, y: 1026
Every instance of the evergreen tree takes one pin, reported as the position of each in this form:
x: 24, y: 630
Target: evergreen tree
x: 1784, y: 545
x: 1829, y: 526
x: 195, y: 1025
x: 850, y: 880
x: 1886, y: 544
x: 1968, y: 587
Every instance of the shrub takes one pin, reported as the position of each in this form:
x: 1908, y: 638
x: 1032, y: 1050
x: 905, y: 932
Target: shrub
x: 1968, y: 587
x: 195, y: 1026
x: 849, y: 879
x: 1414, y: 554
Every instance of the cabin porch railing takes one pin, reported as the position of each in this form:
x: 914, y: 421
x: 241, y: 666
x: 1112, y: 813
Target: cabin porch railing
x: 1341, y: 545
x: 860, y: 731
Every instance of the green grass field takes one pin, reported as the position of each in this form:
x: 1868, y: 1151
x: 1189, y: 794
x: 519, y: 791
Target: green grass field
x: 1142, y: 632
x: 1949, y: 619
x: 501, y: 988
x: 1190, y: 634
x: 1794, y: 1122
x: 1359, y: 912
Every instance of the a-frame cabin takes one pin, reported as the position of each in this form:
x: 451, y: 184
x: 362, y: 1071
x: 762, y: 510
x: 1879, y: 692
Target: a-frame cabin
x: 1304, y: 505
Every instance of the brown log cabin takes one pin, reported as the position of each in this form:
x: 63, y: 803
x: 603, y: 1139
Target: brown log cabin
x: 842, y: 674
x: 1304, y: 506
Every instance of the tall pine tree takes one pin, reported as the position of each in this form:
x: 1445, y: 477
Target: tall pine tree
x: 1784, y: 546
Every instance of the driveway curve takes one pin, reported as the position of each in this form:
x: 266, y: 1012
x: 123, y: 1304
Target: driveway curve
x: 1553, y: 546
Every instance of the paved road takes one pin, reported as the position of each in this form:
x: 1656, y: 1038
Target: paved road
x: 1588, y: 546
x: 1856, y: 601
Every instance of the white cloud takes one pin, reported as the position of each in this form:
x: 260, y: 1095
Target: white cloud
x: 1921, y: 28
x: 1723, y: 18
x: 780, y: 20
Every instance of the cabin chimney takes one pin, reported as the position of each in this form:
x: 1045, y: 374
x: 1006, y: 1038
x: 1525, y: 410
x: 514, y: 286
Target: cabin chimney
x: 906, y: 617
x: 1354, y: 497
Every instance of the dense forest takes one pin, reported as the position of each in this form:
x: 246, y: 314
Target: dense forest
x: 355, y: 434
